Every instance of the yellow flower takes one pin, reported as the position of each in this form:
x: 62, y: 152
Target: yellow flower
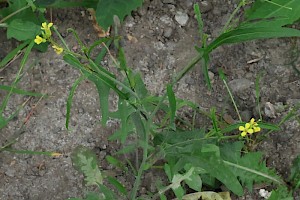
x: 246, y: 129
x: 251, y: 127
x: 39, y: 40
x: 57, y: 49
x: 47, y: 32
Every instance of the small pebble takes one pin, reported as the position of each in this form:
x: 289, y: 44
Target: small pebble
x: 168, y: 32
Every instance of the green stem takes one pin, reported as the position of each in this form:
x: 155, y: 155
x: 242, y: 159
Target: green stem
x: 242, y: 3
x: 232, y: 99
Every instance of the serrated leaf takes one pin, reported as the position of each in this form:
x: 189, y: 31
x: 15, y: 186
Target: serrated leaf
x: 107, y: 9
x: 85, y: 161
x: 22, y: 30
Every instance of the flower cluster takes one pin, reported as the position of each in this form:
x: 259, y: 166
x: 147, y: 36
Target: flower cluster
x: 249, y: 128
x: 46, y: 36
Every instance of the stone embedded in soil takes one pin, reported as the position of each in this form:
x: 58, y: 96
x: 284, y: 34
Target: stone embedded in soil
x: 239, y: 85
x: 269, y: 110
x: 181, y: 18
x: 169, y: 1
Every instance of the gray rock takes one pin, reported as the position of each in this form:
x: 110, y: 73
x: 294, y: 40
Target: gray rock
x: 239, y: 85
x: 181, y: 18
x: 205, y: 6
x: 10, y: 172
x: 246, y: 115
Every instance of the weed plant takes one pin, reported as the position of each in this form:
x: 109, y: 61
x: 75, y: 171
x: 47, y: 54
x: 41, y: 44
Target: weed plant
x: 194, y: 159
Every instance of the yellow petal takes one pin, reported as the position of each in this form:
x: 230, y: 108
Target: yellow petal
x: 243, y: 134
x: 241, y: 128
x: 252, y: 121
x: 247, y: 125
x: 44, y: 25
x: 39, y: 40
x: 57, y: 49
x: 250, y: 131
x: 50, y: 24
x: 256, y: 129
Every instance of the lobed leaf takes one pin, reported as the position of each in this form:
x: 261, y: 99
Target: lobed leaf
x: 85, y: 161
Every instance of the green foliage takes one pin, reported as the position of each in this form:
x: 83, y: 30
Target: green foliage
x: 193, y: 158
x: 22, y: 30
x: 106, y: 9
x: 295, y: 173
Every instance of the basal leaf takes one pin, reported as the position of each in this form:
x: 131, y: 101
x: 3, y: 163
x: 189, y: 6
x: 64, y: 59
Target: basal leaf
x: 22, y: 30
x: 216, y: 168
x: 107, y: 9
x: 85, y: 161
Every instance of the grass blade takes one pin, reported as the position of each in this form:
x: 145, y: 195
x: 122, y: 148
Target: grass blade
x: 13, y: 53
x: 19, y: 91
x: 70, y: 99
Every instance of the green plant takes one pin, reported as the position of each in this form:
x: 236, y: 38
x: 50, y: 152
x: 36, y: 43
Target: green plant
x: 194, y: 158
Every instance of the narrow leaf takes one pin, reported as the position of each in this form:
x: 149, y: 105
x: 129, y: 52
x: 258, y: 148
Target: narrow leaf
x: 172, y: 102
x: 13, y: 53
x: 103, y: 92
x: 246, y: 34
